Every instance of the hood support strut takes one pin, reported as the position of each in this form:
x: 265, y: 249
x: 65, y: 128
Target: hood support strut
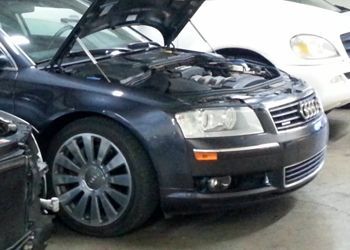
x: 92, y: 58
x: 202, y: 36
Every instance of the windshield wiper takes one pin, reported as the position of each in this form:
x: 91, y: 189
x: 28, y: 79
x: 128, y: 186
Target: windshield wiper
x: 101, y: 52
x: 43, y: 61
x: 142, y: 45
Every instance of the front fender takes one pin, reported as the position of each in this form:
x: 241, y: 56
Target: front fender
x: 162, y: 139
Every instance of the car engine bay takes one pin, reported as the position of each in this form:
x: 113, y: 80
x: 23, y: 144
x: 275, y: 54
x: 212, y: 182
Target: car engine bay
x: 173, y: 71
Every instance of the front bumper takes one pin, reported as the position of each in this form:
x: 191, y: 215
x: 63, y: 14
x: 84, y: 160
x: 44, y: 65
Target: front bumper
x: 194, y: 202
x: 330, y: 80
x: 267, y: 165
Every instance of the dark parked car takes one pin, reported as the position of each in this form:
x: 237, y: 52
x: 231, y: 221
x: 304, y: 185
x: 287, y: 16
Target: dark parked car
x: 126, y: 124
x: 23, y: 225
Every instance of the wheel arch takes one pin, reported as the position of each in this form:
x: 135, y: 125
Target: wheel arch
x: 57, y: 124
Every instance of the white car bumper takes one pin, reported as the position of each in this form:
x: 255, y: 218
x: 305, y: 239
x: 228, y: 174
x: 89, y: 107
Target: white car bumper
x: 331, y: 81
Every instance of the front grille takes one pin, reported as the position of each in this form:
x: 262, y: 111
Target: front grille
x: 300, y: 172
x: 296, y: 114
x: 345, y: 38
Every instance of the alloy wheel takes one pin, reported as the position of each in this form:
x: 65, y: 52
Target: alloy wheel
x: 92, y: 179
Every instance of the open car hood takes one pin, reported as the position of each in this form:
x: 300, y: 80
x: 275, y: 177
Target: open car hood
x: 168, y: 16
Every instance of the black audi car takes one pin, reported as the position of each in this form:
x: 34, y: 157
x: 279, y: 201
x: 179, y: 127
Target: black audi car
x: 24, y: 221
x: 126, y: 124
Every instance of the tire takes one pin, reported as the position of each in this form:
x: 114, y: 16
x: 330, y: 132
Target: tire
x: 106, y: 189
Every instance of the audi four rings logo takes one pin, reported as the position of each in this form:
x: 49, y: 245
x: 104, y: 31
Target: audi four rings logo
x: 309, y: 108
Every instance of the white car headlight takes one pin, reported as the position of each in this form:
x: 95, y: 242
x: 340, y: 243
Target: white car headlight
x: 313, y: 47
x: 219, y: 122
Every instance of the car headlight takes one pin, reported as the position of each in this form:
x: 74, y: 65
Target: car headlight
x: 219, y: 122
x: 313, y: 47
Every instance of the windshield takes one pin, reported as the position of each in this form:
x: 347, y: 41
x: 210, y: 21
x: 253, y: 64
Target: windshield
x: 318, y: 3
x: 40, y: 27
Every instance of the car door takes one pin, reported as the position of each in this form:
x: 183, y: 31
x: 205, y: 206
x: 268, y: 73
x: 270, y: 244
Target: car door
x: 8, y: 74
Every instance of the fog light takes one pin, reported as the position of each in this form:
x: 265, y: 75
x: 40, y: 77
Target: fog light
x: 219, y: 184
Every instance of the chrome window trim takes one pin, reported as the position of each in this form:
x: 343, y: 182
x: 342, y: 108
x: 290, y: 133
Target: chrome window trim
x: 15, y: 48
x: 10, y: 58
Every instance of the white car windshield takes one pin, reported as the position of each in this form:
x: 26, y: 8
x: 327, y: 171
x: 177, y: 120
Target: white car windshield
x: 40, y: 27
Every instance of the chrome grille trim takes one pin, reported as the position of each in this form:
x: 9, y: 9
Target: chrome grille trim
x: 300, y: 172
x: 286, y: 113
x: 290, y: 115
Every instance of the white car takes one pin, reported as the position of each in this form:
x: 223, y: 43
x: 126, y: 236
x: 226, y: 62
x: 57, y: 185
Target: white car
x: 307, y: 42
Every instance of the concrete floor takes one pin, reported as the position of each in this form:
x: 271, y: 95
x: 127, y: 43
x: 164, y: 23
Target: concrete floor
x: 315, y: 217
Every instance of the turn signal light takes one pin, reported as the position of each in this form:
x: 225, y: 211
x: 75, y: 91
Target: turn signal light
x: 206, y: 156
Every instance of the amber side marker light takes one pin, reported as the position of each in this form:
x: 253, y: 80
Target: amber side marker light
x: 206, y: 156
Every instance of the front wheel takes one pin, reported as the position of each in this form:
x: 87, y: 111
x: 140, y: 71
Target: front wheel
x: 103, y: 178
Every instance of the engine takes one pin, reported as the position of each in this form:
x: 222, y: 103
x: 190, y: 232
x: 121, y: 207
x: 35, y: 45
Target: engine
x: 176, y: 72
x: 196, y: 78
